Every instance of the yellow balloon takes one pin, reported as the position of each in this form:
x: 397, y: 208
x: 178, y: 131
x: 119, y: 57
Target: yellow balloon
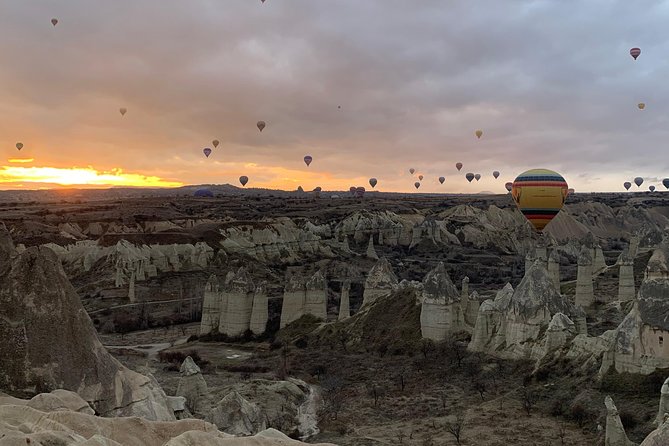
x: 539, y: 194
x: 479, y: 133
x: 641, y: 105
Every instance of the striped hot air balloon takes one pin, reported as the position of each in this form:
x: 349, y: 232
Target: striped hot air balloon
x: 539, y: 194
x: 509, y: 186
x: 635, y: 52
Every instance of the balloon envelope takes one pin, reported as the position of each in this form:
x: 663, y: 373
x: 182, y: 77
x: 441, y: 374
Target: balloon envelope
x: 359, y: 192
x: 651, y: 188
x: 641, y: 105
x: 123, y: 111
x: 308, y: 160
x: 215, y: 143
x: 539, y: 194
x: 261, y: 125
x: 416, y: 184
x: 54, y: 22
x: 638, y: 181
x: 477, y: 176
x: 469, y: 176
x: 420, y: 177
x: 243, y: 179
x: 442, y: 179
x: 458, y: 166
x: 570, y: 191
x: 627, y: 185
x: 508, y: 186
x: 207, y: 151
x: 479, y: 133
x: 495, y: 174
x: 372, y: 182
x: 352, y: 190
x: 665, y: 183
x: 635, y: 52
x: 412, y: 171
x: 19, y: 145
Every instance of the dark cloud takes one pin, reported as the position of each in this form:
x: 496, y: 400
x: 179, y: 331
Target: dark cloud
x: 550, y: 83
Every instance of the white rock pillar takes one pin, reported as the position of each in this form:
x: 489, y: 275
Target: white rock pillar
x: 584, y: 286
x: 131, y: 288
x: 239, y: 295
x: 371, y: 252
x: 615, y: 432
x: 554, y: 269
x: 316, y: 296
x: 664, y: 403
x: 211, y: 307
x: 626, y: 289
x: 260, y: 312
x: 294, y: 296
x: 344, y: 304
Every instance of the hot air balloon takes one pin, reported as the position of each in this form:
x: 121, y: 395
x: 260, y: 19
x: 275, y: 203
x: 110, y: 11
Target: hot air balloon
x: 539, y: 194
x: 54, y: 21
x: 372, y: 182
x: 470, y: 177
x: 207, y: 151
x: 641, y: 105
x: 442, y: 179
x: 477, y: 176
x: 215, y: 143
x: 665, y: 183
x: 360, y: 192
x: 635, y: 52
x: 420, y: 177
x: 570, y: 191
x: 416, y: 184
x: 508, y: 186
x: 307, y: 160
x: 478, y: 133
x: 123, y: 111
x: 458, y: 166
x: 243, y: 179
x: 318, y: 189
x: 651, y: 188
x: 339, y: 107
x: 412, y: 171
x: 19, y: 145
x: 638, y: 181
x: 261, y: 125
x: 495, y: 174
x: 352, y: 190
x: 627, y: 185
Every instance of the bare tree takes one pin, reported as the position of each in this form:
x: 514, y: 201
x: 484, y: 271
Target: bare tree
x: 455, y: 351
x: 480, y: 387
x: 528, y: 399
x: 562, y: 433
x: 376, y: 392
x: 426, y: 346
x: 334, y: 395
x: 456, y: 427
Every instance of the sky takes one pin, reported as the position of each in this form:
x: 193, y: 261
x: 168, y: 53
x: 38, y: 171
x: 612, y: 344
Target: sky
x: 550, y: 83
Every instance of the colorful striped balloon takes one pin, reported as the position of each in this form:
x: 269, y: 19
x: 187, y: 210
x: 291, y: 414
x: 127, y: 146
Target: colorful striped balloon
x: 635, y: 52
x: 539, y: 194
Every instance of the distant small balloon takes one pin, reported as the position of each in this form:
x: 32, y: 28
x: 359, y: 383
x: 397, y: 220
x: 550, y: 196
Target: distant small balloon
x: 420, y: 177
x: 372, y: 182
x: 359, y: 192
x: 477, y: 176
x: 318, y: 189
x: 19, y: 145
x: 307, y: 160
x: 495, y: 174
x: 638, y: 181
x: 261, y: 125
x: 442, y: 179
x: 352, y: 190
x: 470, y: 177
x: 635, y: 52
x: 570, y: 191
x: 243, y: 179
x: 458, y: 166
x: 54, y: 22
x: 123, y: 111
x: 509, y: 186
x: 651, y: 188
x: 339, y: 107
x: 207, y: 151
x: 215, y: 142
x: 479, y: 133
x: 665, y: 183
x: 641, y: 105
x: 627, y: 185
x: 412, y: 171
x: 416, y: 184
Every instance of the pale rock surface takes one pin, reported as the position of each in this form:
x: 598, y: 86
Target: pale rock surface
x: 584, y: 285
x: 36, y: 301
x: 554, y: 268
x: 192, y: 385
x: 440, y: 313
x: 211, y: 307
x: 664, y: 403
x: 380, y: 281
x: 615, y: 432
x: 294, y: 297
x: 626, y: 288
x: 464, y: 294
x: 371, y: 252
x: 237, y: 416
x: 344, y: 301
x: 237, y: 304
x: 260, y: 312
x: 316, y: 297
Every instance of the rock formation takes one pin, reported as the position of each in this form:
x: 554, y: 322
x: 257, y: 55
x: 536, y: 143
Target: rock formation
x: 211, y: 307
x: 344, y: 302
x: 192, y: 385
x: 554, y: 268
x: 36, y: 302
x: 371, y: 252
x: 300, y: 298
x: 513, y: 327
x: 626, y: 289
x: 235, y: 415
x: 316, y: 296
x: 584, y: 285
x: 381, y: 280
x: 260, y: 312
x: 598, y: 261
x: 615, y: 432
x: 464, y: 294
x: 237, y: 304
x: 663, y: 410
x: 440, y: 314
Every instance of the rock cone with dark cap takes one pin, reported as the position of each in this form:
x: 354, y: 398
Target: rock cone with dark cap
x: 49, y: 341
